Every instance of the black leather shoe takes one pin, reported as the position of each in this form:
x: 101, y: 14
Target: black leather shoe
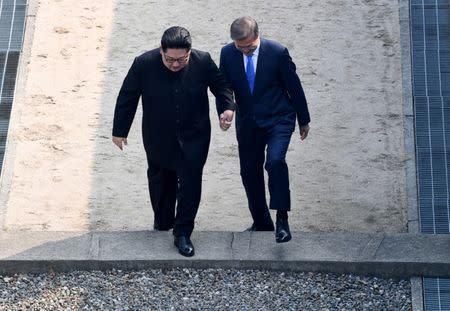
x: 184, y: 245
x: 282, y: 232
x: 267, y: 227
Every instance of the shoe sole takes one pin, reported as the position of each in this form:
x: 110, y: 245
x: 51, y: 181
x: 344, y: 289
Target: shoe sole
x: 183, y: 254
x: 186, y: 255
x: 284, y: 240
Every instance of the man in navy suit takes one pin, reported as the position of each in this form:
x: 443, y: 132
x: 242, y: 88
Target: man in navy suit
x: 269, y: 98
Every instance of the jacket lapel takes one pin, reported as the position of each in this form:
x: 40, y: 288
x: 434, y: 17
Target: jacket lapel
x: 240, y: 69
x: 259, y: 67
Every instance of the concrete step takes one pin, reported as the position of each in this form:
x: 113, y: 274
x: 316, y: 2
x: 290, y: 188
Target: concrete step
x: 382, y: 254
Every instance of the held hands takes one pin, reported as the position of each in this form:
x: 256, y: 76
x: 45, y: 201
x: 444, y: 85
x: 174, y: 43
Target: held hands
x: 304, y: 129
x: 119, y: 141
x: 226, y: 119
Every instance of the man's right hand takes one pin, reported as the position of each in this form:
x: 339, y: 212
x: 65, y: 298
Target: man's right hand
x: 119, y: 141
x: 225, y: 119
x: 304, y: 130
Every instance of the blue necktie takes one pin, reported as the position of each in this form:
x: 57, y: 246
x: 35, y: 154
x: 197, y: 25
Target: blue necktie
x: 250, y: 73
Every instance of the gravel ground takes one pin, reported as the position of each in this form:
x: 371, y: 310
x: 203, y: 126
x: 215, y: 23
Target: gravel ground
x: 212, y: 289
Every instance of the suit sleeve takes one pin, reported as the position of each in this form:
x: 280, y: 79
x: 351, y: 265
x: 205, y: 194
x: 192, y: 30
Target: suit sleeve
x: 127, y: 102
x: 293, y: 86
x: 220, y: 87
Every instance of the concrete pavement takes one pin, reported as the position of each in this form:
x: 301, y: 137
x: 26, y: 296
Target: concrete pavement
x: 380, y: 254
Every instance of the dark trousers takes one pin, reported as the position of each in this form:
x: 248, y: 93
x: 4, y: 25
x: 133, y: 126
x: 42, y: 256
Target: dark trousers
x: 179, y: 186
x: 253, y: 144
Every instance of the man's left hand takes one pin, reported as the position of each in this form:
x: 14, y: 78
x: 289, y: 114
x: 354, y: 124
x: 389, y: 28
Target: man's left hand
x: 304, y: 129
x: 226, y: 119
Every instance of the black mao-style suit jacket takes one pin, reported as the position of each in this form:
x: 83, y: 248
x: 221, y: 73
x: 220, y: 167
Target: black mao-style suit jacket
x: 176, y: 123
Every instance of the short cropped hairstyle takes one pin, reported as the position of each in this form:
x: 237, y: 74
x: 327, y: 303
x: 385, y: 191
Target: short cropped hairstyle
x: 243, y: 28
x: 176, y: 37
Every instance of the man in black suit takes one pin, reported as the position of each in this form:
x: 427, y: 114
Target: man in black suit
x: 269, y: 98
x: 173, y: 81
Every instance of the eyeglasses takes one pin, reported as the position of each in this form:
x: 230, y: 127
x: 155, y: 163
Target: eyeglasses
x: 247, y: 48
x: 250, y: 47
x: 181, y: 60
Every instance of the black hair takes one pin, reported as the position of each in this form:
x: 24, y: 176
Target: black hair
x: 176, y: 37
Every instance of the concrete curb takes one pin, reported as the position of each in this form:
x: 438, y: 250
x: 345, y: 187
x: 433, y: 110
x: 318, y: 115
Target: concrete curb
x: 408, y: 119
x: 410, y: 163
x: 388, y: 255
x: 7, y: 169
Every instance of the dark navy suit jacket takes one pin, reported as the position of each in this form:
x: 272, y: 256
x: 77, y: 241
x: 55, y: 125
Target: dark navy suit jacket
x: 277, y: 94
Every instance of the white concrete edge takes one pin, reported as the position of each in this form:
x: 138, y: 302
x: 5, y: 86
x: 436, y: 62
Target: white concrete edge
x: 7, y: 169
x: 408, y: 119
x: 386, y: 255
x: 417, y: 294
x: 409, y: 134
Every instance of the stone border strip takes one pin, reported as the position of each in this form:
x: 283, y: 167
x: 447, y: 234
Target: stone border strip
x: 386, y: 255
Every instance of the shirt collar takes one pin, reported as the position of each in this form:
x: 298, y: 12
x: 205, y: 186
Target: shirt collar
x: 256, y: 52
